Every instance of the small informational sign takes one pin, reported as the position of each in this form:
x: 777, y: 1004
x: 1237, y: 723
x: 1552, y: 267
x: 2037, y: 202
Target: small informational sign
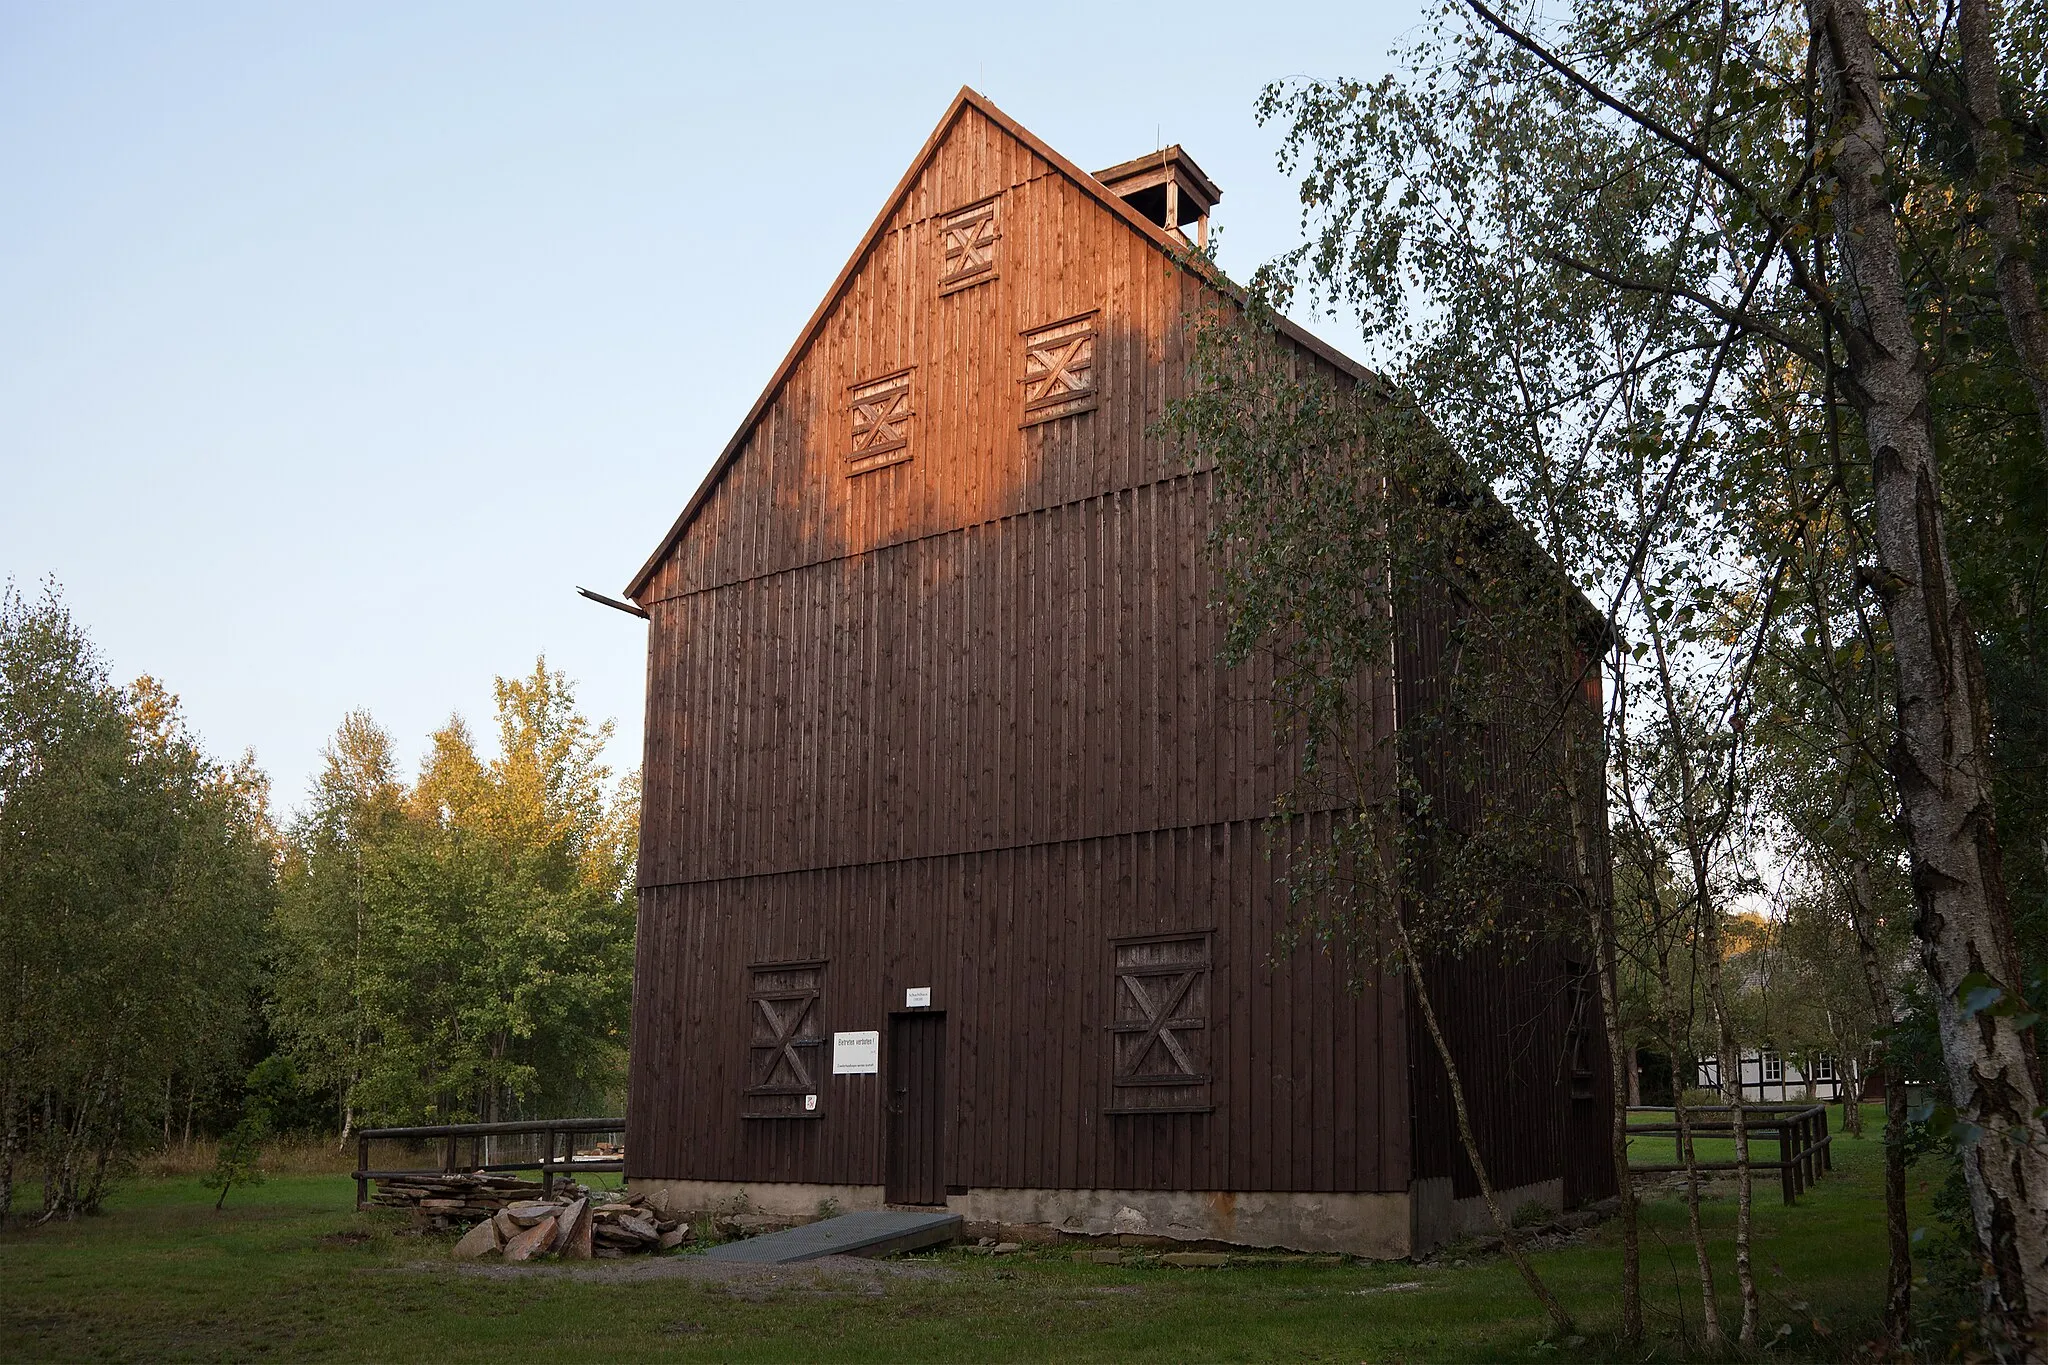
x: 917, y: 998
x: 810, y: 1104
x: 857, y: 1054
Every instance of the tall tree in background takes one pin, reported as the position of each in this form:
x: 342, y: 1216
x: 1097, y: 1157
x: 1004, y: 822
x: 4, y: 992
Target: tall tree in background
x: 135, y: 877
x: 321, y: 931
x: 463, y: 948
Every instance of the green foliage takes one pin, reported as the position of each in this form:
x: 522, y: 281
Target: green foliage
x: 274, y: 1082
x: 462, y: 948
x: 321, y: 931
x: 1595, y: 248
x: 237, y: 1159
x: 135, y: 876
x: 1475, y: 212
x: 1349, y: 534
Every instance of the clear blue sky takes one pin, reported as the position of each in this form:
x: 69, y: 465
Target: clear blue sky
x: 338, y: 343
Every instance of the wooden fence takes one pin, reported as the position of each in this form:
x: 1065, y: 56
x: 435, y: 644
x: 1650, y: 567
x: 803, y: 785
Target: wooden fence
x: 1802, y: 1132
x: 558, y: 1149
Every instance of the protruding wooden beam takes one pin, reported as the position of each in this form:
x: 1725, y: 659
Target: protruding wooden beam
x: 614, y: 603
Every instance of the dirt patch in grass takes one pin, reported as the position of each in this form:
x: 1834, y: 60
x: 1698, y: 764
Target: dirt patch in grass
x: 353, y: 1237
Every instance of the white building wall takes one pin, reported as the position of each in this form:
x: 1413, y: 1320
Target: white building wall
x: 1771, y: 1079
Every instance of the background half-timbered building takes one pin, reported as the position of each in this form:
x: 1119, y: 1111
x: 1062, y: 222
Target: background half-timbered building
x: 954, y: 885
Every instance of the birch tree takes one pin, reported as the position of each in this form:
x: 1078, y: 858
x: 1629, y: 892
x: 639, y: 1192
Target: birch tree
x: 135, y: 875
x: 460, y: 947
x: 1718, y: 189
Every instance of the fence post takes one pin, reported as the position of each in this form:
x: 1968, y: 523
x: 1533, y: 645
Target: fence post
x: 1827, y: 1151
x: 547, y: 1162
x: 1786, y: 1179
x: 362, y: 1165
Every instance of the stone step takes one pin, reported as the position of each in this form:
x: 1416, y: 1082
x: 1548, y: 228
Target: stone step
x: 872, y: 1232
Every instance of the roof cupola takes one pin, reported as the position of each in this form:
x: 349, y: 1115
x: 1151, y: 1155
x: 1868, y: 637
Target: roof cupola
x: 1167, y: 187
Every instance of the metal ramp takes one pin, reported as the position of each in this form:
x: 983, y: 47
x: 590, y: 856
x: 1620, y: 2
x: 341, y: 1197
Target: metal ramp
x: 874, y: 1232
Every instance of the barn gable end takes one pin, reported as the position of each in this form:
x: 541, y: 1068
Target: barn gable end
x: 938, y: 739
x: 784, y: 494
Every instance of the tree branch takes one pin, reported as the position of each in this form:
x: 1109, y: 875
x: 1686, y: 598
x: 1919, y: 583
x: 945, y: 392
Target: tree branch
x: 1734, y: 317
x: 1713, y: 165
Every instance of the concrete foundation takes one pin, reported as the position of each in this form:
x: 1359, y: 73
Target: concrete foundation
x: 1379, y: 1226
x: 1440, y: 1218
x: 1375, y: 1225
x: 792, y: 1200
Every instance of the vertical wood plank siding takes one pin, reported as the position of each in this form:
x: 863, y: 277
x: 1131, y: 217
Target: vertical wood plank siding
x: 1506, y: 1011
x: 1049, y: 676
x: 1014, y: 944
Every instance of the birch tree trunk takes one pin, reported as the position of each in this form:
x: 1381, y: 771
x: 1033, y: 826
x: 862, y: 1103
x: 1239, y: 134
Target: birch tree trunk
x: 11, y: 1120
x: 1709, y: 964
x: 1589, y: 854
x: 1731, y: 1095
x: 1605, y: 969
x: 1939, y: 760
x: 1710, y: 1308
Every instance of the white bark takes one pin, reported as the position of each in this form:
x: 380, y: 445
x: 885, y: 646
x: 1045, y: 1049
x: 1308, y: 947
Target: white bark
x: 1939, y: 760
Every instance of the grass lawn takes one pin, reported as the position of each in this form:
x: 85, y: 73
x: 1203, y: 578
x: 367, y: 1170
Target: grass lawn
x: 291, y: 1270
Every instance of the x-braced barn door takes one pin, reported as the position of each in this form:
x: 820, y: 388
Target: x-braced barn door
x: 917, y: 1124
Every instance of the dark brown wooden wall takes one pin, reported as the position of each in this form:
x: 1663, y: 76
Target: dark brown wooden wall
x: 959, y: 722
x: 1506, y: 1017
x: 1311, y: 1081
x: 1047, y: 676
x: 1507, y: 1009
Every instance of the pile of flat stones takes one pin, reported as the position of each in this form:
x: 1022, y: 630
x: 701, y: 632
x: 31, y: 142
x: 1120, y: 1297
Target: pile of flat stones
x: 574, y: 1225
x: 444, y: 1203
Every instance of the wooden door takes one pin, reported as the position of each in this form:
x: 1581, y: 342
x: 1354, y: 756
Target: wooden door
x: 917, y: 1124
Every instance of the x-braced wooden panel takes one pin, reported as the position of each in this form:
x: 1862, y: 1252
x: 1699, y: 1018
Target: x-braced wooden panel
x: 1059, y: 369
x: 881, y: 422
x: 967, y: 246
x: 786, y: 1043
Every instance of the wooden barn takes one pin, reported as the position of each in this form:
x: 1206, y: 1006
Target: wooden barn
x: 954, y: 887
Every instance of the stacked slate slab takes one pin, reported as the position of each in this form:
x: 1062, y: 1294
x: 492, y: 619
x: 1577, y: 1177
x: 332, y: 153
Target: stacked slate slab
x: 873, y: 1232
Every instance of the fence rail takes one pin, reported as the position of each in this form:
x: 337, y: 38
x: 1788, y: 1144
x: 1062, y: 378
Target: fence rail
x: 550, y: 1163
x: 1804, y: 1143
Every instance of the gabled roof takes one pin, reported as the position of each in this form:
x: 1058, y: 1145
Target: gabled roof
x: 1168, y: 244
